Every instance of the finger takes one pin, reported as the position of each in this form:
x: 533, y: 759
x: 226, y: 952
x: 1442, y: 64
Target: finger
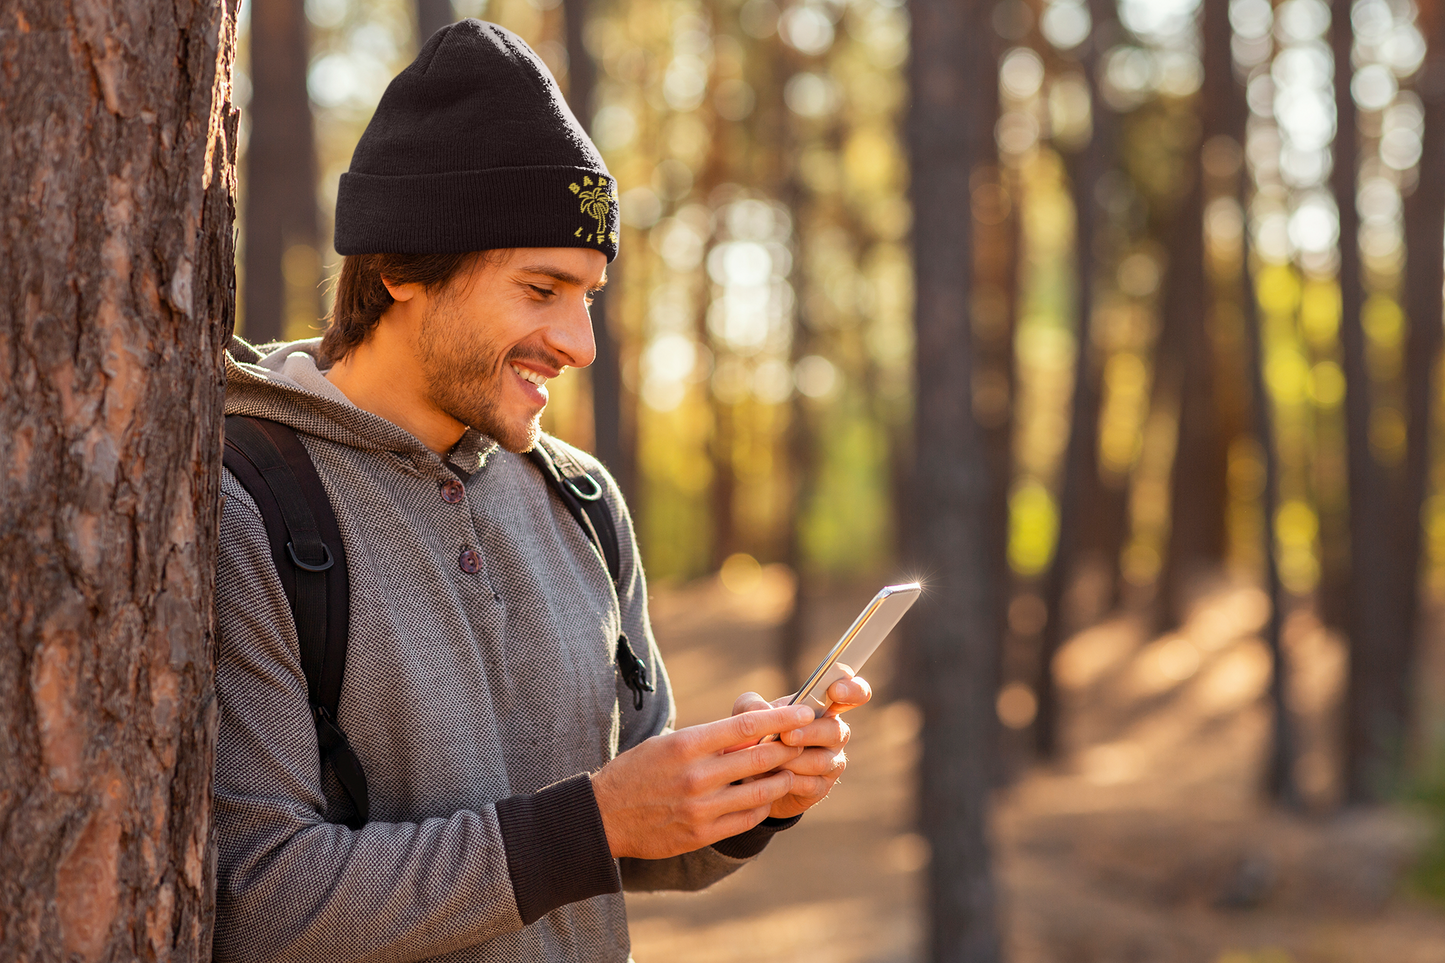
x: 750, y: 702
x: 751, y: 795
x: 827, y: 731
x: 733, y: 823
x: 744, y: 727
x: 752, y: 761
x: 850, y: 693
x: 811, y: 788
x: 818, y: 762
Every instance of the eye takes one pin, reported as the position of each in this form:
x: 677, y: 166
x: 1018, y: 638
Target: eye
x: 544, y: 292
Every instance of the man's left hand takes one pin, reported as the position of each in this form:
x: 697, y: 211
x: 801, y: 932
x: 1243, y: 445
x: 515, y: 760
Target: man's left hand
x: 823, y: 761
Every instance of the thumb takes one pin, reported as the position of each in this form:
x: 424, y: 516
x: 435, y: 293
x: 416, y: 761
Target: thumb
x: 750, y: 702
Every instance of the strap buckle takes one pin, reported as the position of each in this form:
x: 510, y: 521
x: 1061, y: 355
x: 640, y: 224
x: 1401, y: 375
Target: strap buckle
x: 291, y: 550
x: 592, y: 496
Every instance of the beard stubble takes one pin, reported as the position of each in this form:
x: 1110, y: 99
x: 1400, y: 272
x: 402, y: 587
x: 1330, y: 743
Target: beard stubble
x: 464, y: 371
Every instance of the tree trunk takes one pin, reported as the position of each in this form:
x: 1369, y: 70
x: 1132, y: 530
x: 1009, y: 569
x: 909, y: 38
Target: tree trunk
x: 1279, y: 776
x: 1369, y: 753
x: 955, y: 628
x: 1423, y: 281
x: 801, y: 441
x: 1279, y: 781
x: 801, y: 456
x: 117, y: 289
x: 1198, y: 489
x: 996, y: 195
x: 606, y: 371
x: 283, y: 268
x: 1080, y: 489
x: 432, y: 15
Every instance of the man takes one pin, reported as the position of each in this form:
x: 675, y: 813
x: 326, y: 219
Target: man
x: 512, y: 792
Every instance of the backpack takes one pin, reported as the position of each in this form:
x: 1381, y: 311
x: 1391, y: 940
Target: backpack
x: 273, y: 466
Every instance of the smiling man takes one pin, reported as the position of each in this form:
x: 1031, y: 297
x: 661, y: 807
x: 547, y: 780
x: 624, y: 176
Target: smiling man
x: 502, y: 693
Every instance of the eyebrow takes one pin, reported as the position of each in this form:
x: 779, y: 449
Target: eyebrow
x: 566, y: 277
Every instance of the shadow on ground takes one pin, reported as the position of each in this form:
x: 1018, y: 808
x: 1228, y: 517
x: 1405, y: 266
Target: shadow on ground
x: 1146, y: 843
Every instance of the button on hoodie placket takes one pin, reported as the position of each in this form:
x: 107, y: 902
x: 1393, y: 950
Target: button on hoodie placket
x: 470, y: 560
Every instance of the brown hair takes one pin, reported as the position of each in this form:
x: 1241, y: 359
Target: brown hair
x: 362, y: 298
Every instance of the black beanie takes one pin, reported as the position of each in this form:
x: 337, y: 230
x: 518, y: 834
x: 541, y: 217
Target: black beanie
x: 472, y: 148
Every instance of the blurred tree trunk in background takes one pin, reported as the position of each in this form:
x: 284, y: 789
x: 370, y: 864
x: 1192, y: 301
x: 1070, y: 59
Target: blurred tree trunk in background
x: 1371, y: 750
x: 955, y: 627
x: 1423, y: 280
x: 606, y: 370
x: 117, y: 283
x: 801, y: 439
x: 1279, y: 776
x: 283, y: 268
x: 432, y: 15
x: 994, y: 199
x: 1198, y: 485
x: 1080, y: 491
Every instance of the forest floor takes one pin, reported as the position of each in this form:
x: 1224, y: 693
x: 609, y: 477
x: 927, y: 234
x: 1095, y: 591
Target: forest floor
x: 1146, y: 843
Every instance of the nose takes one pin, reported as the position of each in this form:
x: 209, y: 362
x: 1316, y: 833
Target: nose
x: 570, y: 335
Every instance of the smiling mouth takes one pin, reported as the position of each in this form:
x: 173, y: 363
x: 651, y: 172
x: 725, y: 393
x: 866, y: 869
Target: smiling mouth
x: 527, y: 374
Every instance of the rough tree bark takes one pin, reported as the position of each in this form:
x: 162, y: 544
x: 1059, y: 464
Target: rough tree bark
x: 1079, y: 493
x: 1368, y: 709
x: 116, y: 294
x: 280, y: 176
x: 955, y: 628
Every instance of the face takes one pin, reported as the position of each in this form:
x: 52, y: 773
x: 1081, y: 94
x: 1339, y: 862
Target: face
x: 490, y: 341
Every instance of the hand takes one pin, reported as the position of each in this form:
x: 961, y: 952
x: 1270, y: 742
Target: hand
x: 822, y: 761
x: 681, y: 791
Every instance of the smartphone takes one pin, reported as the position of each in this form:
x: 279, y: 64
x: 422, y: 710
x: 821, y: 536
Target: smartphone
x: 863, y: 637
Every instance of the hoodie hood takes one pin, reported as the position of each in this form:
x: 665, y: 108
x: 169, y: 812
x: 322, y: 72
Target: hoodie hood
x: 283, y: 383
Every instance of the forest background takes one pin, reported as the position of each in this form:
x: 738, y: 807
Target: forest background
x: 1203, y: 309
x: 1156, y: 413
x: 1118, y: 322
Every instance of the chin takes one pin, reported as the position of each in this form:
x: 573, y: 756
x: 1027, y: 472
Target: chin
x: 518, y: 437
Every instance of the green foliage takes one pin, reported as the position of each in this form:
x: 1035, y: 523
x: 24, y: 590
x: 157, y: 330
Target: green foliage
x: 1427, y: 876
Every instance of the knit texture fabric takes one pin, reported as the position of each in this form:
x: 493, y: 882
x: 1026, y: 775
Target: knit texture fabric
x: 473, y: 148
x: 475, y: 700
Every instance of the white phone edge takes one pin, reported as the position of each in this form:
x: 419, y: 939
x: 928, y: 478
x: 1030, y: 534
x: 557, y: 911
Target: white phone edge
x: 905, y: 595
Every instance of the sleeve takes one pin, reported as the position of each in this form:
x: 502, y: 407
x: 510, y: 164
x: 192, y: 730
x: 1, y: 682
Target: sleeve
x: 292, y: 886
x: 700, y: 868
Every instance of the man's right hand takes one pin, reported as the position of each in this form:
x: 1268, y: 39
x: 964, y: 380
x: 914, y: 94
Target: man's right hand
x: 675, y: 792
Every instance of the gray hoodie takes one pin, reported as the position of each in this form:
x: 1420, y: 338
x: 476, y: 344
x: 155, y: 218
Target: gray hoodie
x: 477, y: 704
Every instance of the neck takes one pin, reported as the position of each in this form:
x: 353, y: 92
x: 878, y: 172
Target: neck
x: 385, y: 380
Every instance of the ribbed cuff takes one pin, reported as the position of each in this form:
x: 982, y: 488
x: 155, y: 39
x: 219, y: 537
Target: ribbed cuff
x: 557, y: 851
x: 746, y: 845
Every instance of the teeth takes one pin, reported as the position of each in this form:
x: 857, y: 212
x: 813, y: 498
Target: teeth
x: 529, y: 375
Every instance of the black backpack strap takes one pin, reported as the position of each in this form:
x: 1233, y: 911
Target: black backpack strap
x: 272, y: 465
x: 582, y: 494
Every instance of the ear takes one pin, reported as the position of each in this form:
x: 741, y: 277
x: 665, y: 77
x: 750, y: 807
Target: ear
x: 400, y: 292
